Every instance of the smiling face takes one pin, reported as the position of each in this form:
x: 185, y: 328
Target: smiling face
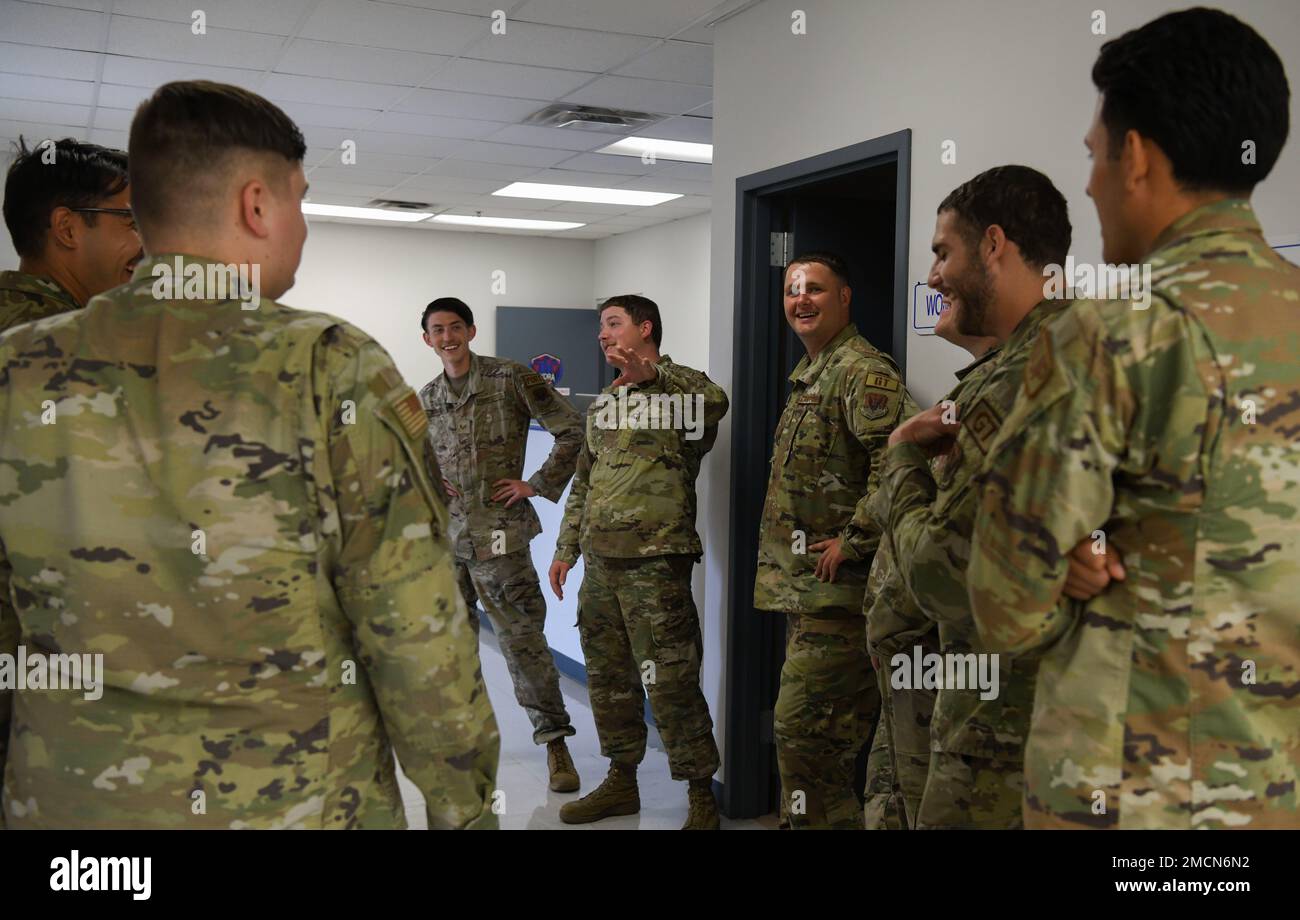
x: 446, y: 333
x: 816, y: 303
x: 618, y: 329
x: 109, y: 247
x: 960, y: 276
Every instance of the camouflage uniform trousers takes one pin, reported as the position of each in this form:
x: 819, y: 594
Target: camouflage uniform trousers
x: 640, y: 629
x: 900, y: 752
x: 826, y: 710
x: 512, y: 599
x: 963, y: 791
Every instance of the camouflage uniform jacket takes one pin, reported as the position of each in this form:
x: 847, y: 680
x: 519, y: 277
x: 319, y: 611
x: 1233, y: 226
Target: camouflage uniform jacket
x: 1172, y: 699
x: 894, y: 621
x: 24, y: 298
x: 824, y: 466
x: 229, y: 505
x: 482, y: 436
x: 633, y: 493
x: 929, y: 524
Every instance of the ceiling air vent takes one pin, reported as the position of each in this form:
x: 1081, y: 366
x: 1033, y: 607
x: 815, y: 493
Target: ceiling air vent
x: 591, y: 118
x: 399, y: 205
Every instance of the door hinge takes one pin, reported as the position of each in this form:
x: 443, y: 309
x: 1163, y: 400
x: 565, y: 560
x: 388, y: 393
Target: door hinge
x: 780, y: 249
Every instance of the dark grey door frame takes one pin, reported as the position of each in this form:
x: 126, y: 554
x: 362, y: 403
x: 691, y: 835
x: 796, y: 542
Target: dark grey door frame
x: 756, y: 388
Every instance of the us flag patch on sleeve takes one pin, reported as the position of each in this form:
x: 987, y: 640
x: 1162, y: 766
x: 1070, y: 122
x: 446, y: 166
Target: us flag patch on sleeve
x: 411, y: 414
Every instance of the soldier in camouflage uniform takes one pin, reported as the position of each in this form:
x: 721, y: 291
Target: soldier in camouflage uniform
x: 993, y: 236
x: 816, y: 544
x: 479, y: 410
x: 631, y: 516
x: 72, y: 243
x: 900, y: 748
x: 1167, y: 419
x: 231, y: 506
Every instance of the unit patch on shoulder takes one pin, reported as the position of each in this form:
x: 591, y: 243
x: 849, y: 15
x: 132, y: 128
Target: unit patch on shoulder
x: 410, y: 413
x: 983, y: 423
x: 1041, y: 364
x: 531, y: 379
x: 881, y: 381
x: 875, y: 405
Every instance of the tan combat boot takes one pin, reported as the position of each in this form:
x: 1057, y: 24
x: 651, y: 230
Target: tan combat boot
x: 564, y: 775
x: 703, y: 814
x: 616, y: 795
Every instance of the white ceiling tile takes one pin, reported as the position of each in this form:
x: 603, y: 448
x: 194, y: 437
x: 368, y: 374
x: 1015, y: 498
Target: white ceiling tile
x: 173, y: 41
x: 642, y: 95
x: 41, y: 24
x: 114, y: 119
x: 388, y: 25
x: 683, y: 128
x: 48, y: 113
x: 356, y: 201
x: 607, y: 163
x: 547, y: 46
x: 276, y: 18
x: 578, y: 177
x: 355, y: 62
x: 474, y: 7
x: 135, y: 71
x: 347, y: 188
x: 694, y: 172
x: 561, y: 138
x: 107, y: 138
x: 34, y: 132
x: 446, y: 185
x: 703, y: 111
x: 330, y: 175
x: 467, y: 105
x: 512, y: 154
x: 328, y: 116
x: 664, y: 184
x: 594, y: 209
x: 660, y: 18
x: 368, y: 159
x: 411, y: 145
x: 684, y: 62
x: 113, y: 96
x: 48, y: 62
x: 46, y: 89
x: 510, y: 79
x: 432, y: 125
x: 491, y: 202
x: 473, y: 170
x: 295, y: 88
x: 325, y: 137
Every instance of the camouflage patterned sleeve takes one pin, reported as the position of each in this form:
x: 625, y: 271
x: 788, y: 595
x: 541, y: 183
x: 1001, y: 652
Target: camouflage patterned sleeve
x: 566, y: 546
x: 1046, y: 484
x: 394, y: 576
x: 690, y: 384
x: 563, y: 421
x: 8, y: 646
x: 875, y: 403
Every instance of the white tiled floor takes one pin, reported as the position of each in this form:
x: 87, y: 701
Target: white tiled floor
x: 522, y: 776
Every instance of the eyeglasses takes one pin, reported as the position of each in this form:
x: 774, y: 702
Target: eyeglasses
x: 124, y: 212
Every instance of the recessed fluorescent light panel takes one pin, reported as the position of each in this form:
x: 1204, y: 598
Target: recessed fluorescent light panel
x: 506, y: 223
x: 584, y: 193
x: 338, y: 210
x: 661, y: 149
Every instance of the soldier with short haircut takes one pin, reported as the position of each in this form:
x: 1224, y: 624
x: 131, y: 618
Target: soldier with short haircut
x: 993, y: 237
x: 68, y: 209
x: 1168, y: 422
x: 231, y: 506
x: 631, y: 516
x: 816, y: 543
x: 479, y: 409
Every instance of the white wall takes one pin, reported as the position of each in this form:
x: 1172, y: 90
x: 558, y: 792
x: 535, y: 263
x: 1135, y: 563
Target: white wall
x: 1009, y: 81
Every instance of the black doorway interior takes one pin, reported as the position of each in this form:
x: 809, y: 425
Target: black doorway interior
x: 854, y: 201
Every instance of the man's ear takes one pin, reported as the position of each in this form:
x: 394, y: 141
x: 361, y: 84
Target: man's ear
x: 997, y: 241
x: 254, y: 205
x: 846, y: 295
x: 64, y: 229
x: 427, y: 341
x: 1135, y: 159
x: 647, y: 331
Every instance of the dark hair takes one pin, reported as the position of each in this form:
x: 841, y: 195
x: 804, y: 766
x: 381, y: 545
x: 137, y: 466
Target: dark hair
x: 1020, y: 200
x: 641, y: 309
x: 1199, y: 83
x: 183, y: 136
x: 80, y: 176
x: 838, y: 267
x: 450, y: 305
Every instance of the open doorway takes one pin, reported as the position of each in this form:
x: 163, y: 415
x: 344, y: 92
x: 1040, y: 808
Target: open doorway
x: 853, y: 201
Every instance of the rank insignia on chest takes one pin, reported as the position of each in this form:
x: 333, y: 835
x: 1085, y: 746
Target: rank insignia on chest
x: 808, y: 399
x: 875, y: 405
x: 1041, y: 364
x: 982, y: 422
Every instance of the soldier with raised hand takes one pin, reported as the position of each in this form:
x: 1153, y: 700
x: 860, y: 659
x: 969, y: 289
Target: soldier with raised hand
x: 68, y: 209
x: 479, y: 409
x: 993, y: 237
x: 1164, y: 423
x: 228, y: 500
x: 631, y: 516
x: 900, y: 748
x: 816, y: 543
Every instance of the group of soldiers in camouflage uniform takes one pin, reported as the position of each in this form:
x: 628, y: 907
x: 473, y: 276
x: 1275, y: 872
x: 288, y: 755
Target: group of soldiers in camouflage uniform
x: 278, y: 546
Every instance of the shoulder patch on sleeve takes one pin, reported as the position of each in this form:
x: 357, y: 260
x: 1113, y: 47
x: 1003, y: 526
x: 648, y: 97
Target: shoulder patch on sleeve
x: 983, y: 423
x: 880, y: 381
x: 1041, y: 365
x: 875, y: 406
x: 531, y: 379
x: 409, y: 411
